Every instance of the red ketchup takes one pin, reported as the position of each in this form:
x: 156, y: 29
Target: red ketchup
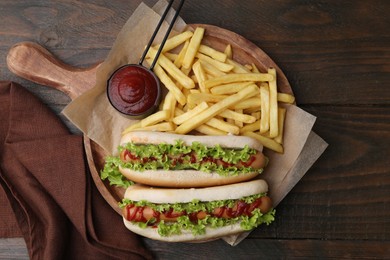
x: 134, y: 91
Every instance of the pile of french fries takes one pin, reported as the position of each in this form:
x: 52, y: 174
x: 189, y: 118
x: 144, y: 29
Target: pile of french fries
x: 212, y: 94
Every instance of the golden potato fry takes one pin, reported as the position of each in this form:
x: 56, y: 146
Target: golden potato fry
x: 211, y: 70
x: 256, y: 115
x: 228, y: 51
x: 215, y: 110
x: 208, y: 130
x: 169, y: 84
x: 200, y: 76
x: 238, y: 77
x: 253, y: 127
x: 213, y: 53
x: 190, y: 113
x: 219, y: 65
x: 267, y: 142
x: 175, y: 41
x: 169, y: 104
x: 273, y: 105
x: 197, y: 98
x: 281, y: 118
x: 171, y: 56
x: 255, y: 69
x: 161, y: 127
x: 237, y: 67
x: 223, y: 126
x: 229, y: 88
x: 180, y: 56
x: 155, y: 118
x: 250, y: 103
x: 264, y: 119
x: 193, y: 47
x: 286, y: 98
x: 248, y: 119
x: 172, y: 70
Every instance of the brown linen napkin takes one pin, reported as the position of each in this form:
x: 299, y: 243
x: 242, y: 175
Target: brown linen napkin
x: 44, y: 175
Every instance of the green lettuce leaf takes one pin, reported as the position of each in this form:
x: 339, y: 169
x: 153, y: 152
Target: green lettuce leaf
x: 161, y: 161
x: 112, y: 173
x: 197, y: 228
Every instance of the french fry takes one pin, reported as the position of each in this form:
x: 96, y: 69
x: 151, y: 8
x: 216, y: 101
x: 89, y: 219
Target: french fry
x: 213, y: 53
x: 193, y: 47
x: 223, y: 126
x: 180, y: 56
x: 200, y: 76
x: 237, y: 122
x: 254, y: 127
x: 273, y: 105
x: 229, y: 88
x: 218, y: 64
x: 237, y: 67
x: 171, y: 56
x: 286, y: 98
x: 190, y: 113
x: 155, y: 118
x: 237, y: 116
x: 228, y: 51
x: 169, y: 104
x: 250, y: 103
x: 175, y: 41
x: 264, y: 119
x: 161, y: 127
x: 169, y: 84
x: 208, y: 130
x: 267, y: 142
x: 193, y: 91
x: 172, y: 70
x: 238, y: 77
x: 215, y: 110
x: 211, y: 70
x: 256, y: 115
x: 281, y: 117
x: 255, y: 69
x: 197, y: 98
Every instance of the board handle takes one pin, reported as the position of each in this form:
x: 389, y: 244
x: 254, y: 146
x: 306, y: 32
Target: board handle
x: 33, y: 62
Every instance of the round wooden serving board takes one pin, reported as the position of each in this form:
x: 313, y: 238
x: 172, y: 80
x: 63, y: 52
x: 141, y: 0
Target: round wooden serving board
x: 33, y: 62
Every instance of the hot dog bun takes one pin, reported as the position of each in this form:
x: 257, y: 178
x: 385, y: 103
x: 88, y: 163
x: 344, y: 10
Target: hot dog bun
x: 186, y: 235
x: 166, y: 195
x: 187, y: 178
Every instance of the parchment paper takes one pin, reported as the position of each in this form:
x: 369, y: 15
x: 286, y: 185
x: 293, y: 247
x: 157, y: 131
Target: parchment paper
x: 92, y: 113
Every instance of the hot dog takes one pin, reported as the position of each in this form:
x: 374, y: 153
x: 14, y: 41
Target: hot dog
x: 172, y: 160
x: 196, y: 214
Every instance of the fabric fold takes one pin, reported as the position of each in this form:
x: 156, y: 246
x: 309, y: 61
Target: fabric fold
x: 44, y: 175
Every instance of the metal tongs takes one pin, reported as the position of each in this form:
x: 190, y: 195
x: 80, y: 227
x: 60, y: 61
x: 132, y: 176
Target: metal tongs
x: 166, y: 34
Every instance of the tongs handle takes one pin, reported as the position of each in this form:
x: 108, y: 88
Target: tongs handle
x: 166, y: 34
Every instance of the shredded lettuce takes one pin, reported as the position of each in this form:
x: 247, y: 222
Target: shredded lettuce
x: 197, y: 228
x: 160, y: 159
x: 112, y: 173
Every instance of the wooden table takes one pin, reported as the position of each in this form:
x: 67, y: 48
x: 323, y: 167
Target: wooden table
x: 336, y: 55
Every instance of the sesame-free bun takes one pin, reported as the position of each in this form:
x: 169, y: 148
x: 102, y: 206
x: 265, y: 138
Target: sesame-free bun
x: 139, y: 192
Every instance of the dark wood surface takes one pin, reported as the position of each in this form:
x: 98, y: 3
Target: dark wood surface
x: 336, y: 55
